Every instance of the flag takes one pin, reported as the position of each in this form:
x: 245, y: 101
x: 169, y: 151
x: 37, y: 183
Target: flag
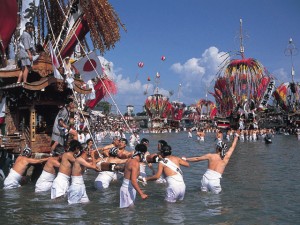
x: 55, y: 63
x: 92, y: 65
x: 8, y: 16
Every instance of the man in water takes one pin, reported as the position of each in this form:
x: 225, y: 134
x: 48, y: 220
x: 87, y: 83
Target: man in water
x: 132, y: 170
x: 104, y: 178
x: 77, y: 191
x: 61, y: 183
x: 169, y: 165
x: 20, y: 166
x: 45, y: 181
x: 216, y: 165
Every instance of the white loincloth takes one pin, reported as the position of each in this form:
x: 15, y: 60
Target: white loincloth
x: 104, y: 178
x: 44, y: 183
x: 127, y: 194
x: 12, y: 180
x: 77, y: 192
x: 60, y: 185
x: 176, y: 188
x: 211, y: 181
x: 201, y: 138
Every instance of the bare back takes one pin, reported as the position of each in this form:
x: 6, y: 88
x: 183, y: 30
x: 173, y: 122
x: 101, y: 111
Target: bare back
x: 22, y: 163
x: 52, y: 163
x: 66, y: 163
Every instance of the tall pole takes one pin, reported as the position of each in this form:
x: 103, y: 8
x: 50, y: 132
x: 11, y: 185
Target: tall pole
x: 291, y: 50
x: 242, y: 49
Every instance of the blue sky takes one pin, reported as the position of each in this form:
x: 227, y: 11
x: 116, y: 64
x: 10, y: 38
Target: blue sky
x: 193, y: 35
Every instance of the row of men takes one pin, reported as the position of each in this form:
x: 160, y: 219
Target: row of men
x: 109, y: 160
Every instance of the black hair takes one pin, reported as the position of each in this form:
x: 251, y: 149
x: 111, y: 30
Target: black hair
x: 166, y: 150
x: 141, y: 148
x: 124, y: 140
x: 144, y: 141
x: 73, y: 145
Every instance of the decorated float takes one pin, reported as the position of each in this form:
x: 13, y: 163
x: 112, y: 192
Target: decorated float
x: 28, y: 109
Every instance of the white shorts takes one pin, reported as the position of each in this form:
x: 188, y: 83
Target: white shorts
x: 176, y: 188
x: 12, y: 180
x: 60, y: 185
x: 45, y: 181
x: 77, y: 192
x: 127, y: 194
x: 104, y: 178
x: 211, y: 182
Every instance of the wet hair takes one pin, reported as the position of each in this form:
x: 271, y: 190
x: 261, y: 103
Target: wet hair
x: 29, y: 24
x: 124, y: 140
x: 26, y: 152
x: 59, y: 149
x: 144, y: 141
x: 113, y: 152
x: 140, y: 149
x: 162, y: 142
x: 88, y: 140
x: 74, y: 144
x: 166, y: 150
x: 221, y: 147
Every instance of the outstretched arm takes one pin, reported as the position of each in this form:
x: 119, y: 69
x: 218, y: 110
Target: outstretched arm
x: 198, y: 158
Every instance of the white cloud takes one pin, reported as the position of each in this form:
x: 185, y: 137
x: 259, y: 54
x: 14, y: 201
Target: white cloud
x: 281, y: 75
x: 197, y: 74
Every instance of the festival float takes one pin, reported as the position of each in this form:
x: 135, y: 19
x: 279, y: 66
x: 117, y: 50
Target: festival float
x: 28, y: 110
x: 287, y: 94
x: 206, y: 112
x: 242, y: 89
x: 162, y: 113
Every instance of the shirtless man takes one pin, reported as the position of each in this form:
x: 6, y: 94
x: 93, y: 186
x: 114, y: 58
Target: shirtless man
x: 61, y: 183
x: 22, y: 162
x: 45, y: 181
x: 123, y: 153
x: 104, y: 178
x: 219, y: 136
x: 169, y: 165
x: 105, y: 149
x: 200, y: 135
x: 132, y: 170
x: 77, y: 191
x: 216, y: 165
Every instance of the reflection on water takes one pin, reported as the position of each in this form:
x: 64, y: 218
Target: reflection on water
x: 260, y: 186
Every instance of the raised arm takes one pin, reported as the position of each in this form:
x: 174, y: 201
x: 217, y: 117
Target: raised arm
x: 232, y: 148
x: 36, y: 161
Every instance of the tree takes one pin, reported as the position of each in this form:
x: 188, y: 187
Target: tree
x: 104, y: 106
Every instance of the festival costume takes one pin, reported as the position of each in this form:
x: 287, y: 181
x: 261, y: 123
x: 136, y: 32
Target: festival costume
x: 60, y: 185
x: 45, y: 181
x: 211, y: 181
x: 201, y: 138
x: 104, y: 178
x: 58, y: 132
x: 12, y: 180
x: 26, y: 43
x: 176, y: 186
x: 77, y: 191
x: 127, y: 194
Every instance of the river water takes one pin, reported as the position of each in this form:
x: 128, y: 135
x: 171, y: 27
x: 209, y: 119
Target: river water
x: 261, y: 185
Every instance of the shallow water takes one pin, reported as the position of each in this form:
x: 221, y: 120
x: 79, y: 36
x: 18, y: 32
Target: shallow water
x: 260, y: 186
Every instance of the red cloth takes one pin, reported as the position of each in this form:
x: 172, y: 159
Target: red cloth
x: 8, y: 20
x: 80, y: 32
x: 101, y: 92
